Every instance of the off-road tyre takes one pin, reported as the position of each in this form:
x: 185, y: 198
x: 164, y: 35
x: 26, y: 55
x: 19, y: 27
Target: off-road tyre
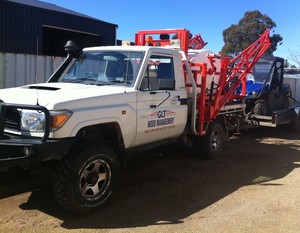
x: 211, y: 144
x: 261, y: 107
x: 86, y: 178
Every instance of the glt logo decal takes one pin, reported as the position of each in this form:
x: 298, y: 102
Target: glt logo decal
x: 161, y: 114
x: 162, y: 120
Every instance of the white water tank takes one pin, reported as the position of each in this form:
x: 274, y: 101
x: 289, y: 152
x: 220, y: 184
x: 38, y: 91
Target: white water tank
x: 201, y: 56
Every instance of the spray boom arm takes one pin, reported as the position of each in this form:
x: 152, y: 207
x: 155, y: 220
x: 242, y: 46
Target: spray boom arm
x: 235, y: 71
x: 232, y: 75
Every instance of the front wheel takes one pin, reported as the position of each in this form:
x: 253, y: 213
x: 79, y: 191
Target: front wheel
x: 86, y: 178
x: 261, y: 107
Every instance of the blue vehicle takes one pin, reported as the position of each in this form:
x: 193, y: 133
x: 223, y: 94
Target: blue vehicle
x: 265, y: 90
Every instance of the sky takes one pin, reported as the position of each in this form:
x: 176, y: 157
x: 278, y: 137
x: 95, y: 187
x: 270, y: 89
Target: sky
x: 209, y: 18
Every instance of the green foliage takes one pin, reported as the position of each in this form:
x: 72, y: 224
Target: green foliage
x: 239, y: 36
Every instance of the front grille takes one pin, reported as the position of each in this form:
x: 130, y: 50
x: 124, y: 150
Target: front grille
x: 12, y: 119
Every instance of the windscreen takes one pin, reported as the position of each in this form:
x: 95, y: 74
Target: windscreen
x: 104, y: 68
x: 261, y: 72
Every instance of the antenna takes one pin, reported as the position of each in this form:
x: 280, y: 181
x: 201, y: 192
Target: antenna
x: 36, y: 71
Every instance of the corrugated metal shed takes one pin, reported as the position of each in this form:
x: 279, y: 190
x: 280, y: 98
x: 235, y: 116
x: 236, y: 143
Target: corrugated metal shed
x: 21, y: 69
x: 35, y: 27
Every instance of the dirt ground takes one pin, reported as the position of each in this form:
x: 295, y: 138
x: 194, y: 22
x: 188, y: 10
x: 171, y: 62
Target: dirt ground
x: 253, y: 187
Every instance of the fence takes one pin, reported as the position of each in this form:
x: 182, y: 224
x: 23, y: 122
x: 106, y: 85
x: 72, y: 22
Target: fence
x: 21, y: 69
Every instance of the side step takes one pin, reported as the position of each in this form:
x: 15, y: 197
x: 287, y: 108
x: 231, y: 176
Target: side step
x: 279, y: 117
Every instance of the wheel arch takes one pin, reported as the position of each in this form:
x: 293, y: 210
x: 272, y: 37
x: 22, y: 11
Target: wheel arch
x: 107, y: 133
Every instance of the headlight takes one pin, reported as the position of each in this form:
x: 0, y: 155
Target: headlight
x: 33, y: 120
x: 252, y: 93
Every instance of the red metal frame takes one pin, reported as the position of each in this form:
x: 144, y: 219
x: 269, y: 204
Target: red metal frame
x: 182, y: 35
x: 237, y: 69
x: 232, y: 75
x: 196, y: 42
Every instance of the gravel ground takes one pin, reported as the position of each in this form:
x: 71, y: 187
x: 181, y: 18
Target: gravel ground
x: 252, y: 187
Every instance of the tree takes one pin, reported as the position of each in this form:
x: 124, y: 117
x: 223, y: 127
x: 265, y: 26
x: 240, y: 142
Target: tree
x: 295, y: 56
x: 239, y: 36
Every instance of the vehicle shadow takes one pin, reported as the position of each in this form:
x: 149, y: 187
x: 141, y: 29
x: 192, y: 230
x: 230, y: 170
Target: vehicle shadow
x: 166, y: 186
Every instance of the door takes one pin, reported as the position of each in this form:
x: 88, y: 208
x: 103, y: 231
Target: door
x: 161, y: 107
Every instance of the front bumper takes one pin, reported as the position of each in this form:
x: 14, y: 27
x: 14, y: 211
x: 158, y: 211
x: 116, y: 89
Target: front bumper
x: 23, y: 152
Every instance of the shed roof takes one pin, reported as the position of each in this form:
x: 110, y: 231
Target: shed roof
x: 50, y: 6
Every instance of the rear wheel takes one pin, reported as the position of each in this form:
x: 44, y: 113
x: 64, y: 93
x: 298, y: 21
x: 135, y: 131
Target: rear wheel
x: 86, y: 178
x: 212, y: 143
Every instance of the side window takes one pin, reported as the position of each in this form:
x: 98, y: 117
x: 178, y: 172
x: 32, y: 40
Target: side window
x: 159, y: 74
